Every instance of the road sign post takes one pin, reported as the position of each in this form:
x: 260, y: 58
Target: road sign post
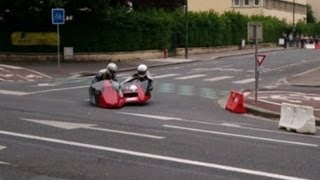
x: 57, y: 18
x: 255, y: 34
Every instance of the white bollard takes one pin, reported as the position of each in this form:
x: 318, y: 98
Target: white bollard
x: 298, y: 118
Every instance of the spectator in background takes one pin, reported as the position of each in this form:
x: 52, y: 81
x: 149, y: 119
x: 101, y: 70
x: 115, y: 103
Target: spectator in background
x: 302, y: 40
x: 291, y: 39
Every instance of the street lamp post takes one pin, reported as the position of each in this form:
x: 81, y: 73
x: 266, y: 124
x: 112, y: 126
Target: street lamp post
x: 293, y: 16
x: 186, y: 29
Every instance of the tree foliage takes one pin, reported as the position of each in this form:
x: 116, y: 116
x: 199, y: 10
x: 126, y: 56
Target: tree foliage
x: 310, y: 16
x: 39, y: 11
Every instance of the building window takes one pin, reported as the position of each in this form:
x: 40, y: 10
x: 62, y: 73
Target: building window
x: 246, y: 3
x: 257, y: 2
x: 236, y: 2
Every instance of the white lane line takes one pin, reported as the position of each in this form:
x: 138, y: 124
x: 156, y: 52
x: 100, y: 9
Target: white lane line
x: 245, y: 81
x: 154, y: 156
x: 191, y: 77
x: 165, y: 76
x: 241, y: 136
x: 72, y: 126
x: 218, y: 78
x: 25, y: 78
x: 122, y: 75
x: 60, y: 89
x: 11, y: 67
x: 126, y: 133
x: 306, y: 72
x: 167, y: 118
x: 16, y: 93
x: 164, y: 118
x: 2, y: 147
x: 6, y: 75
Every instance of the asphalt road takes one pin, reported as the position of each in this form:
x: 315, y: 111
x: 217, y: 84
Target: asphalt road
x: 50, y: 131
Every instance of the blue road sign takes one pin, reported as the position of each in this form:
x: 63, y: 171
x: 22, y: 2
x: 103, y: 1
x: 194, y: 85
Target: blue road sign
x: 57, y: 16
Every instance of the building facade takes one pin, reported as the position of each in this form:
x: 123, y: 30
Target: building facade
x: 315, y: 5
x: 292, y: 11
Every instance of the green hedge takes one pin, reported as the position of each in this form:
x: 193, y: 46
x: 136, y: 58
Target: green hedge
x: 153, y: 29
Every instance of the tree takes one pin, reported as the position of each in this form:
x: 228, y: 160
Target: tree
x: 26, y: 13
x: 310, y: 16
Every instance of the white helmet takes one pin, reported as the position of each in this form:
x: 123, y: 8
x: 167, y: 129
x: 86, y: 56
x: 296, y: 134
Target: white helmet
x: 112, y: 67
x: 142, y: 69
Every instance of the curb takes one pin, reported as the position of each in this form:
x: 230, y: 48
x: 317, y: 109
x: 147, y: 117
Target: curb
x: 84, y: 74
x: 268, y: 114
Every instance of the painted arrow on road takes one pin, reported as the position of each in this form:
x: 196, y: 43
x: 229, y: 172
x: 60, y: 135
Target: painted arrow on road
x: 1, y: 162
x: 72, y: 126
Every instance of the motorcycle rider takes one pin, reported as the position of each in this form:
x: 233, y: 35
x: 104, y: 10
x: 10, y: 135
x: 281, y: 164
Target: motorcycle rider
x: 109, y: 73
x: 141, y: 74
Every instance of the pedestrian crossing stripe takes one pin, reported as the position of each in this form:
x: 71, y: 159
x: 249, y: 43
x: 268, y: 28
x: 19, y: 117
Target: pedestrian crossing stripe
x: 208, y: 93
x: 244, y: 81
x: 186, y: 90
x: 218, y: 78
x: 166, y: 88
x: 191, y: 76
x: 165, y: 76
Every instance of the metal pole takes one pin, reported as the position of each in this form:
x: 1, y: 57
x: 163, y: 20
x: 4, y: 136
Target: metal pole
x: 256, y: 63
x: 58, y: 41
x: 187, y: 31
x: 293, y: 13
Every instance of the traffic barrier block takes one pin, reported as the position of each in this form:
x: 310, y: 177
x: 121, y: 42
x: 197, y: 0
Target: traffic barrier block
x: 309, y: 46
x: 297, y: 117
x: 317, y: 46
x: 235, y: 102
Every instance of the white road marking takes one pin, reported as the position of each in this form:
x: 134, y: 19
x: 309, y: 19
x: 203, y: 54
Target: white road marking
x: 11, y: 67
x: 274, y: 103
x: 1, y: 162
x: 71, y: 126
x: 6, y: 75
x: 245, y: 81
x: 49, y: 77
x: 153, y: 156
x: 218, y: 78
x: 167, y: 118
x: 241, y: 136
x: 25, y: 78
x: 33, y: 76
x: 2, y: 69
x: 16, y: 93
x: 122, y: 75
x: 306, y: 72
x: 164, y: 118
x: 191, y: 77
x: 231, y: 125
x: 165, y: 76
x: 60, y: 89
x: 47, y: 84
